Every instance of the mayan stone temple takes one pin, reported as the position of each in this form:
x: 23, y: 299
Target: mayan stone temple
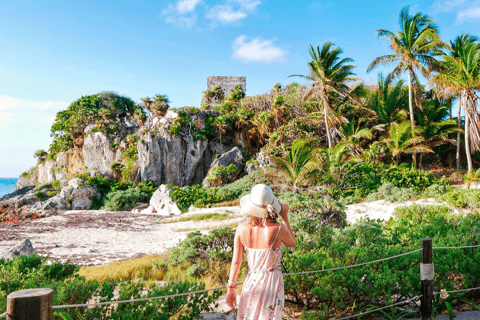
x: 227, y: 83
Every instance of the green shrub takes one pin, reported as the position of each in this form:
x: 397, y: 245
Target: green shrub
x: 324, y: 212
x: 322, y: 248
x: 221, y: 174
x: 243, y: 185
x: 389, y: 192
x: 463, y: 198
x: 125, y: 200
x: 436, y: 191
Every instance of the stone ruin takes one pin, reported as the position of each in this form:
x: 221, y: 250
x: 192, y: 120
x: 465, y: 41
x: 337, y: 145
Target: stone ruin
x: 227, y: 83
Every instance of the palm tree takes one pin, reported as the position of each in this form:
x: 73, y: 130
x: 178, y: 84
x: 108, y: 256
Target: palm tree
x: 414, y: 47
x: 160, y: 105
x: 389, y: 101
x: 146, y: 103
x: 357, y: 135
x: 298, y: 165
x: 400, y: 140
x: 329, y: 75
x: 435, y: 127
x: 459, y: 74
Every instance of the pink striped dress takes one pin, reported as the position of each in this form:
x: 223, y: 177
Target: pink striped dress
x: 262, y: 296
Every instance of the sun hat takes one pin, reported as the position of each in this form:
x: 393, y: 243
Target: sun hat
x: 260, y: 200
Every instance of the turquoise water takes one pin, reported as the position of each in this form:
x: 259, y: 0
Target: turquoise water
x: 7, y: 185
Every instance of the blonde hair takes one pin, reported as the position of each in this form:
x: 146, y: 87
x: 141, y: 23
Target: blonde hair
x: 256, y: 221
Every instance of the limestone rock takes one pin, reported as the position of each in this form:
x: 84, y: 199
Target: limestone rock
x: 23, y: 248
x: 251, y: 168
x: 98, y: 154
x: 81, y: 194
x: 263, y: 160
x: 149, y: 210
x: 163, y: 203
x: 28, y: 199
x: 234, y: 157
x: 55, y: 205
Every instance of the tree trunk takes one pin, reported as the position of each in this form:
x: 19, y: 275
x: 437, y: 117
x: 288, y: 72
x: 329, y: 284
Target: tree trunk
x: 459, y: 124
x: 325, y: 108
x: 420, y: 161
x: 410, y: 106
x: 467, y: 138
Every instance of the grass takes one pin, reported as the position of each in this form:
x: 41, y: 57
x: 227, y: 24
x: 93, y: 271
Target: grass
x: 201, y: 217
x: 126, y: 269
x: 232, y: 203
x: 231, y: 225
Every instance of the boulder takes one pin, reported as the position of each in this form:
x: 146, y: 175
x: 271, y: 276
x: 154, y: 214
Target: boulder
x: 234, y: 157
x: 251, y: 168
x: 163, y: 203
x: 80, y: 193
x: 23, y: 248
x: 27, y: 199
x: 55, y: 205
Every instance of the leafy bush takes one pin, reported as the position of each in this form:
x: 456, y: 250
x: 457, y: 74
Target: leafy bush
x: 243, y: 185
x: 206, y: 250
x: 463, y: 198
x: 436, y: 191
x: 323, y: 248
x: 324, y: 212
x: 221, y: 174
x: 125, y: 200
x: 389, y: 192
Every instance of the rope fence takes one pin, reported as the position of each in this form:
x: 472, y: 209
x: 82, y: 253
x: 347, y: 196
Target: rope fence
x: 377, y: 309
x: 426, y: 259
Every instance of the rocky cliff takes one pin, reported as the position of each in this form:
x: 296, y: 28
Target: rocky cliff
x: 152, y: 152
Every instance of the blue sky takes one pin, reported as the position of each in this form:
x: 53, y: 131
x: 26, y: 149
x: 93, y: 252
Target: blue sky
x: 53, y: 52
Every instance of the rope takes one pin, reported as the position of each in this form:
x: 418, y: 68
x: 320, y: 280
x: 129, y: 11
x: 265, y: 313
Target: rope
x: 352, y: 266
x: 377, y: 309
x: 3, y: 315
x: 223, y: 287
x: 133, y: 300
x: 460, y: 290
x: 465, y: 247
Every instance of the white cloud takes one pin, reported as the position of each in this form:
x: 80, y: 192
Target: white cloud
x: 225, y: 14
x: 186, y: 6
x: 186, y: 22
x: 248, y: 4
x: 178, y: 14
x: 447, y: 5
x: 468, y: 14
x: 257, y: 50
x: 14, y: 110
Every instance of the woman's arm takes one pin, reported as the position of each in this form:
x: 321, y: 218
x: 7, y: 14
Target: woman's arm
x: 235, y: 268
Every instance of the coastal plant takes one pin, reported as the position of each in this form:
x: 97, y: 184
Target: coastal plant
x: 461, y: 198
x: 297, y: 167
x: 125, y: 200
x: 221, y: 174
x: 389, y: 192
x: 40, y: 155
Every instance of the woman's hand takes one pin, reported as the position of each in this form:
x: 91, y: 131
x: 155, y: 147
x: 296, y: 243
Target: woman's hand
x: 284, y: 212
x: 232, y: 298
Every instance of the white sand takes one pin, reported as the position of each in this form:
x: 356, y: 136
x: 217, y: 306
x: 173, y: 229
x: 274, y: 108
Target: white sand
x: 98, y: 237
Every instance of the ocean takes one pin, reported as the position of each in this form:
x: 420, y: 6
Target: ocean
x: 7, y: 185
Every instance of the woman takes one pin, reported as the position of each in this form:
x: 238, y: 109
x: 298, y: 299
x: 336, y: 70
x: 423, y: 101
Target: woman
x: 261, y: 236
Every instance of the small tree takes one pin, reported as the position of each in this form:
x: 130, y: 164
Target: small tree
x: 298, y: 166
x: 40, y: 155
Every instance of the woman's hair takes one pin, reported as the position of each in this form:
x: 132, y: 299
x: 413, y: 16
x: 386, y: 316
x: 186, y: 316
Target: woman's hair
x: 256, y: 221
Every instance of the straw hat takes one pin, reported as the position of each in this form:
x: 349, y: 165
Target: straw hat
x: 260, y: 200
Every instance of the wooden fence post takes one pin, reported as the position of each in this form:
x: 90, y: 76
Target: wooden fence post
x: 426, y: 276
x: 31, y: 304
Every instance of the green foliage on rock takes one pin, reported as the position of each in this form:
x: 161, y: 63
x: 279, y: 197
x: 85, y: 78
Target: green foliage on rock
x: 389, y: 192
x: 220, y: 175
x: 105, y: 109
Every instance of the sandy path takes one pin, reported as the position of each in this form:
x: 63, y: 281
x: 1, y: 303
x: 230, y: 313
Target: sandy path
x: 99, y: 237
